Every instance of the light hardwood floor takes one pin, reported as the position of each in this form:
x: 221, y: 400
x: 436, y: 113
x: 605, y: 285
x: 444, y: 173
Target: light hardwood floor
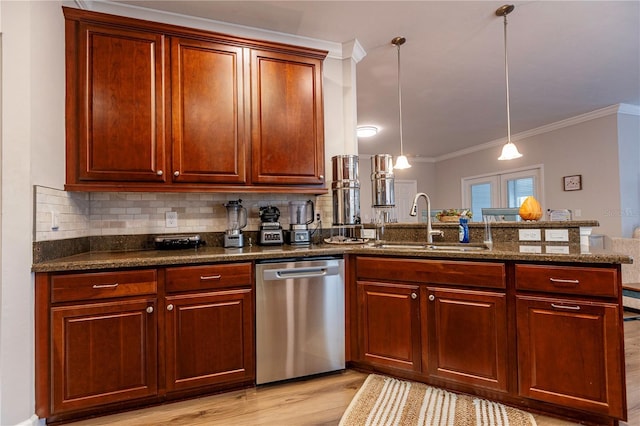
x: 318, y: 401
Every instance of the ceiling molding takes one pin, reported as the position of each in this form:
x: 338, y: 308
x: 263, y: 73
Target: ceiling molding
x: 603, y: 112
x: 106, y: 6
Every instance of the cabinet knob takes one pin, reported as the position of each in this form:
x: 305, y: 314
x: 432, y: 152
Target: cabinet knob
x: 414, y: 296
x: 159, y: 172
x: 176, y: 173
x: 321, y: 176
x: 149, y: 309
x: 432, y: 298
x: 169, y: 307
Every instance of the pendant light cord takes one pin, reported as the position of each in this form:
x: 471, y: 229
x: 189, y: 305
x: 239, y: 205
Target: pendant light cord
x: 400, y: 99
x: 506, y: 79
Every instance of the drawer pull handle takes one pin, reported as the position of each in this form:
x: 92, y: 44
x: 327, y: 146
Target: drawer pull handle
x: 571, y: 308
x: 561, y: 281
x: 114, y: 285
x: 210, y: 277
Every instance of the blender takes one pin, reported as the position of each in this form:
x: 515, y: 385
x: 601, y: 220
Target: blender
x: 236, y: 220
x: 270, y: 229
x: 300, y: 216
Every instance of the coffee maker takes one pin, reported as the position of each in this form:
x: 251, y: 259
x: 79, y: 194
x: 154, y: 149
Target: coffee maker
x: 300, y: 216
x: 236, y: 220
x: 270, y: 229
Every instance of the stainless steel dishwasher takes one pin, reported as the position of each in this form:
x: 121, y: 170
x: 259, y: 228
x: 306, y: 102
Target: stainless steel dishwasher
x: 299, y: 318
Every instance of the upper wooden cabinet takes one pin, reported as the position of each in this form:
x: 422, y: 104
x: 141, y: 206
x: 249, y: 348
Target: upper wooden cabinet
x: 207, y: 112
x: 287, y: 132
x: 115, y: 105
x: 156, y: 107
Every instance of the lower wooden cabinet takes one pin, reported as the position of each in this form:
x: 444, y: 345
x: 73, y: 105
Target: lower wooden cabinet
x: 569, y: 353
x: 389, y: 318
x: 108, y: 340
x: 466, y: 336
x: 209, y: 339
x: 103, y: 353
x: 547, y: 337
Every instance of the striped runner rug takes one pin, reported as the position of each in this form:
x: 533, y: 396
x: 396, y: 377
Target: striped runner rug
x: 387, y: 401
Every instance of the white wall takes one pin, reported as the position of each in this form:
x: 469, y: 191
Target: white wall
x: 588, y: 148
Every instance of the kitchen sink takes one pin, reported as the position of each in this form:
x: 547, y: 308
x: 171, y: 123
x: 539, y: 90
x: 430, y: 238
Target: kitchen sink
x: 404, y: 245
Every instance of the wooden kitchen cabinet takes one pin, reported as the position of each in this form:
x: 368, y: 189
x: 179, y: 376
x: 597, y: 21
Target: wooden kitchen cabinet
x: 103, y: 353
x: 116, y: 104
x: 97, y: 340
x: 208, y: 112
x: 209, y: 319
x: 156, y: 107
x: 287, y: 131
x: 389, y: 325
x: 570, y: 345
x: 466, y: 336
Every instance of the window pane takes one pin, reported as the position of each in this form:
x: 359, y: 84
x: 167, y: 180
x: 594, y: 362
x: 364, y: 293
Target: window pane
x: 480, y: 197
x: 518, y: 190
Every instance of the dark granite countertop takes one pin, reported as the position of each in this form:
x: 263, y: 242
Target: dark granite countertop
x: 207, y: 254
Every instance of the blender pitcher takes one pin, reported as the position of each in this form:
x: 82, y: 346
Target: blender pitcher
x: 300, y: 216
x: 301, y: 213
x: 236, y: 220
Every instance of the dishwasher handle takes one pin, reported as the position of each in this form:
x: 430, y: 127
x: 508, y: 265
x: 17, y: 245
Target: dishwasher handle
x: 308, y: 272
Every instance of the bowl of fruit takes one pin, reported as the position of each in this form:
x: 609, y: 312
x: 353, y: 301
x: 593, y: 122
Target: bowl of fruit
x: 453, y: 215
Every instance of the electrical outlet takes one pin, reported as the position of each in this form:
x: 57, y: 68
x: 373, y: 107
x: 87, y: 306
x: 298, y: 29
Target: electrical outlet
x: 529, y: 235
x: 55, y: 222
x: 171, y: 219
x: 318, y: 217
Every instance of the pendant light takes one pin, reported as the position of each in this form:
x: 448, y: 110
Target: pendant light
x: 509, y: 150
x: 401, y: 161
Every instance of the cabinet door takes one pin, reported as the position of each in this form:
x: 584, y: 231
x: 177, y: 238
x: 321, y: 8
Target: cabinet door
x: 208, y: 112
x: 570, y: 353
x: 287, y: 119
x: 120, y: 106
x: 389, y: 329
x: 466, y: 335
x: 103, y: 353
x: 209, y: 339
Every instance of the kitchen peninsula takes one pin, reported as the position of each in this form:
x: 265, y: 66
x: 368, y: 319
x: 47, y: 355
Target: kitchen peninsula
x: 542, y: 331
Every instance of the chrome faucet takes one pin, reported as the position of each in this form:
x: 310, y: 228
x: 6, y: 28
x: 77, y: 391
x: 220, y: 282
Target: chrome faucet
x: 414, y: 212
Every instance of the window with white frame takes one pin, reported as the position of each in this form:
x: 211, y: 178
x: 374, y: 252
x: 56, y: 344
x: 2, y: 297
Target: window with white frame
x: 501, y: 190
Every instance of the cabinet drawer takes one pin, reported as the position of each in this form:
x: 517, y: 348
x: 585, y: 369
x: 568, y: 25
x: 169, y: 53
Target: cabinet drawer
x: 568, y: 280
x: 208, y: 277
x: 102, y: 285
x: 463, y: 273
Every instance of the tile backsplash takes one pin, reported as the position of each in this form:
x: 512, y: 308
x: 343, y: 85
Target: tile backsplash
x: 83, y: 214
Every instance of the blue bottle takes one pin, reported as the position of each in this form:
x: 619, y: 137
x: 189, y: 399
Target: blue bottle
x: 463, y: 230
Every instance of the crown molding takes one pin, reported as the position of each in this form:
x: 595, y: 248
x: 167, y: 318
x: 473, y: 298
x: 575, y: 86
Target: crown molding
x: 336, y: 50
x: 602, y: 112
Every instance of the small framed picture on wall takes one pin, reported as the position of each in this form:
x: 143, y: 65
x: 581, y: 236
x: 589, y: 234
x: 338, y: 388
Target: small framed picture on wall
x: 572, y: 183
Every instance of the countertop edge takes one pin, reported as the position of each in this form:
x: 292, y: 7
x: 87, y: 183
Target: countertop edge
x: 155, y: 258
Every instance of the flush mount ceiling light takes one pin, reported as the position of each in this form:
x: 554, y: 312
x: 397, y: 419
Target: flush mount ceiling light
x: 401, y: 161
x: 366, y: 131
x: 509, y: 150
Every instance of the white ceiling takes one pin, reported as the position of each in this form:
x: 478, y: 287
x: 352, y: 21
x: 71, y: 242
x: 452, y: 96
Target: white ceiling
x: 566, y: 58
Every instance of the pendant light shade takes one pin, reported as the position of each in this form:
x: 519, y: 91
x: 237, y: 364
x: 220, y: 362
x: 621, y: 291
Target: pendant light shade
x: 509, y: 150
x: 401, y: 161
